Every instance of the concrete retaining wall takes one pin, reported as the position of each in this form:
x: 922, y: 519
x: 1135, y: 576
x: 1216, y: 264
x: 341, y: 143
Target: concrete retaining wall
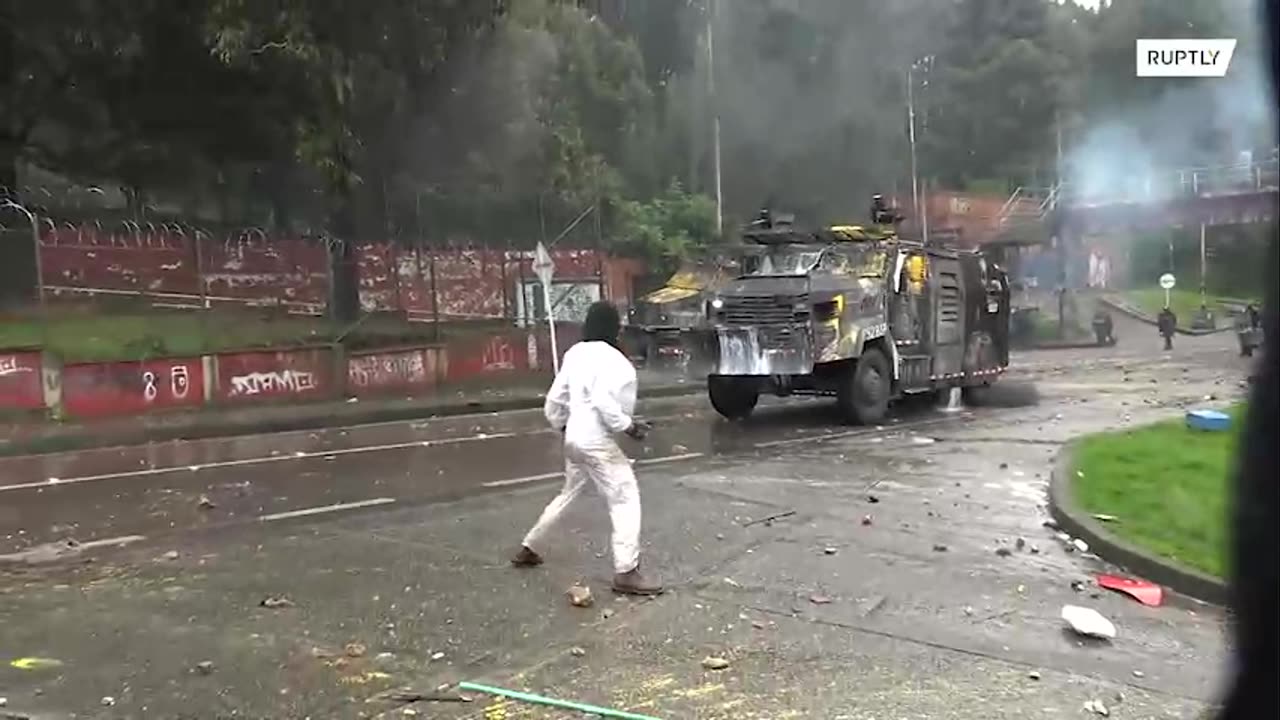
x: 33, y: 381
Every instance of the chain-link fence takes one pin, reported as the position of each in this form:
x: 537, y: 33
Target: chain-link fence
x: 92, y: 284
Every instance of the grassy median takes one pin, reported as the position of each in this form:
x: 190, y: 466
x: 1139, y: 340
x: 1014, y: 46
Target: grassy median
x: 1167, y: 486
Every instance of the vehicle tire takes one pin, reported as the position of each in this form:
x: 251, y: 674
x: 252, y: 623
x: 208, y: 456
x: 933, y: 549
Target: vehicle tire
x: 976, y: 395
x: 863, y: 395
x: 734, y: 398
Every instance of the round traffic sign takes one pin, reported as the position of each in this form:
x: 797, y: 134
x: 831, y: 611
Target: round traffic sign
x: 1167, y: 281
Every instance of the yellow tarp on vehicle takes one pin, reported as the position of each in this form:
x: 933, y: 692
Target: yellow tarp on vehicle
x: 669, y: 294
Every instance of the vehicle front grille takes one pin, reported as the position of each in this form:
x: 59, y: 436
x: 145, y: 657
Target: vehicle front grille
x: 764, y: 310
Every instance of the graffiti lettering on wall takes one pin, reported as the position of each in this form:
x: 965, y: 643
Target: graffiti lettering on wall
x: 20, y: 381
x: 498, y: 355
x: 272, y: 383
x: 569, y: 301
x: 100, y: 389
x: 406, y: 369
x: 9, y: 365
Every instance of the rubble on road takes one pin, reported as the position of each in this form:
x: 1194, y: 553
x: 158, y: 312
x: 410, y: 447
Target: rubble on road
x: 1088, y: 622
x: 715, y: 663
x: 580, y: 596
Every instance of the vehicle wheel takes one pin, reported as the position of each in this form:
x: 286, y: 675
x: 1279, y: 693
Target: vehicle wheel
x: 734, y: 398
x: 976, y: 395
x: 863, y: 395
x: 1246, y: 351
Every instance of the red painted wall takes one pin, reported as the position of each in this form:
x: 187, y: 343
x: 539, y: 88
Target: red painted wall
x: 283, y: 375
x: 21, y: 380
x: 470, y: 358
x: 398, y: 371
x: 249, y: 267
x: 132, y: 388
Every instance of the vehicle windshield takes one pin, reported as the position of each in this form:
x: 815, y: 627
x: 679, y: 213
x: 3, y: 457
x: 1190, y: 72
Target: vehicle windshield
x: 782, y: 261
x: 853, y: 261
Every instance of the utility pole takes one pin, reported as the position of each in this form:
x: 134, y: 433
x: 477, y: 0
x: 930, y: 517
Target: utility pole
x: 911, y: 134
x: 715, y: 114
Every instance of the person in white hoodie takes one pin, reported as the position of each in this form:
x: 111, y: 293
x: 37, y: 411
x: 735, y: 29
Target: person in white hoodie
x: 592, y: 400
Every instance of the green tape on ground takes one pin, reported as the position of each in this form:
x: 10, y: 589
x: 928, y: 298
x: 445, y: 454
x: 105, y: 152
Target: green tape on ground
x: 552, y: 702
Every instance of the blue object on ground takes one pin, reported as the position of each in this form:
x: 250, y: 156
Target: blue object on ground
x: 1209, y: 420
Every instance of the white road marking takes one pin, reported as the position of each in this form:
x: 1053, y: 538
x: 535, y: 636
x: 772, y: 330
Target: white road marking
x: 320, y: 510
x: 111, y: 542
x: 326, y: 454
x: 527, y: 479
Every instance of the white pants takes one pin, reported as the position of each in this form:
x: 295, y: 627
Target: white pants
x: 610, y: 471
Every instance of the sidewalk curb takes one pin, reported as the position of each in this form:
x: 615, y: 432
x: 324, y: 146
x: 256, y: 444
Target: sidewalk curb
x: 318, y: 416
x: 1065, y: 346
x: 1078, y: 523
x: 1140, y: 316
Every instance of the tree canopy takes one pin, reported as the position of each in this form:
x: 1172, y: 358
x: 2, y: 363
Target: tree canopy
x: 501, y: 122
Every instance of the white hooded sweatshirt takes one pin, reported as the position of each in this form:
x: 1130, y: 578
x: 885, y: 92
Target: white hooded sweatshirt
x: 593, y: 396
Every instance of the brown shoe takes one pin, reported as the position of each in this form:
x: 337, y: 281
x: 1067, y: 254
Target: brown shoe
x: 635, y: 583
x: 526, y: 558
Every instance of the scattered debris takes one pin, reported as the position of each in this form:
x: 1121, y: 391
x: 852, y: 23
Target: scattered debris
x: 770, y: 518
x: 715, y: 663
x: 922, y: 440
x: 1003, y: 552
x: 1004, y: 466
x: 873, y: 499
x: 1034, y: 674
x: 939, y: 547
x: 384, y: 657
x: 1139, y: 674
x: 1051, y: 524
x: 1088, y: 622
x: 1147, y: 593
x: 732, y: 583
x: 437, y: 656
x: 577, y: 652
x: 679, y: 449
x: 1097, y: 707
x: 205, y: 503
x: 276, y: 602
x: 171, y: 555
x: 1080, y: 545
x: 1077, y: 585
x: 608, y: 613
x: 205, y: 667
x: 4, y: 701
x: 1103, y: 517
x: 866, y: 520
x: 35, y: 663
x: 1034, y: 549
x: 758, y: 625
x: 108, y: 701
x: 1020, y: 543
x: 355, y: 650
x: 829, y: 551
x: 818, y: 599
x: 580, y: 596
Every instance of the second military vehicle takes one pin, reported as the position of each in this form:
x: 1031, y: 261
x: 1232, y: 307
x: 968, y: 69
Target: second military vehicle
x: 857, y: 313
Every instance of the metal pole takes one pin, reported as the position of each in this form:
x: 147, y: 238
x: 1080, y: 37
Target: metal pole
x: 715, y: 114
x: 1204, y: 268
x: 911, y: 134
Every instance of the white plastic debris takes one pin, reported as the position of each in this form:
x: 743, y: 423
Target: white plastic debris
x: 1088, y: 622
x: 1081, y: 545
x: 1097, y: 707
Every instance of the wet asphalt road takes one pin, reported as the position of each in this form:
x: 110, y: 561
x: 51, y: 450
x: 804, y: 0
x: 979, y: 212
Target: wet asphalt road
x: 902, y: 629
x: 159, y: 489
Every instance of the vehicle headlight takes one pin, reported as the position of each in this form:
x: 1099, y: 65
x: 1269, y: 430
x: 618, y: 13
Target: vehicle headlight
x: 717, y: 304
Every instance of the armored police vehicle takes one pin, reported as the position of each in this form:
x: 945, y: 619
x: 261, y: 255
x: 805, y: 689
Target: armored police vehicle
x: 856, y: 313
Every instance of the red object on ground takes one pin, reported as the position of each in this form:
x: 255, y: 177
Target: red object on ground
x: 1144, y: 592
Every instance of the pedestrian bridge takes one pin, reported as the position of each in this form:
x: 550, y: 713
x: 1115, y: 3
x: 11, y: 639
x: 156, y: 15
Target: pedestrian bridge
x: 1188, y: 197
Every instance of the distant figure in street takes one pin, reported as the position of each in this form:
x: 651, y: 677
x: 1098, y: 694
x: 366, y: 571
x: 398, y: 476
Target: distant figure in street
x: 1251, y: 313
x: 881, y: 213
x: 1167, y: 322
x: 1103, y: 327
x: 592, y: 399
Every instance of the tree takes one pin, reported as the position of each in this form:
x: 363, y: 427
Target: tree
x: 367, y: 71
x: 668, y: 229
